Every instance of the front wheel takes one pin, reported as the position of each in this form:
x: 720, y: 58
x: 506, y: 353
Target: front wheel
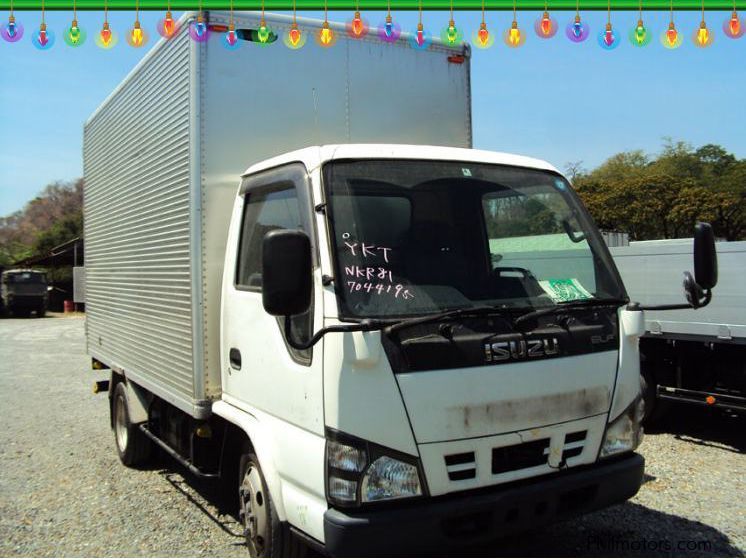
x: 133, y: 447
x: 266, y: 535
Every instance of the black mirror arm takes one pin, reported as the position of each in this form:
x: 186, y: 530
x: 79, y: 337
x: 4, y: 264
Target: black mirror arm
x: 701, y: 303
x: 365, y: 326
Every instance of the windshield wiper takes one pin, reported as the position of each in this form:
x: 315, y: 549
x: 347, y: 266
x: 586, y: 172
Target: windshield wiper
x: 577, y: 304
x: 445, y: 316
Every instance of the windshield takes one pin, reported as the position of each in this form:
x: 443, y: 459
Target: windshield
x: 417, y: 237
x: 25, y: 278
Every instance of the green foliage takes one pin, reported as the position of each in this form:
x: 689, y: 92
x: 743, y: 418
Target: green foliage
x: 663, y: 197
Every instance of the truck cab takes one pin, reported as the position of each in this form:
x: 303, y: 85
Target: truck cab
x: 24, y: 291
x: 423, y: 344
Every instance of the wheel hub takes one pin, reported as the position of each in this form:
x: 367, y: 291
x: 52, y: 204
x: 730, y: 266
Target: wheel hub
x: 254, y: 510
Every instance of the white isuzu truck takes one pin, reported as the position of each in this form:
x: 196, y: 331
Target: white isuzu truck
x: 385, y: 341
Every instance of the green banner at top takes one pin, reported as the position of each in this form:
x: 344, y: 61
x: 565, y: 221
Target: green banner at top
x: 347, y: 5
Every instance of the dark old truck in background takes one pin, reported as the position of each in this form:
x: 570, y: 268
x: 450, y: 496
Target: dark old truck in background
x: 24, y: 291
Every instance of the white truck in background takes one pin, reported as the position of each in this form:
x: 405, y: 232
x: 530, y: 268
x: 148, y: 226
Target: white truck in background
x: 386, y: 341
x: 690, y: 357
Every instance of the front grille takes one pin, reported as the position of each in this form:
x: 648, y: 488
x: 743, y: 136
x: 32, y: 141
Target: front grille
x: 461, y: 466
x: 574, y: 444
x: 520, y: 456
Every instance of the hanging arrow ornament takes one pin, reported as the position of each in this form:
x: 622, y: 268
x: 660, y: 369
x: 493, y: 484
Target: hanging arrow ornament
x: 608, y: 39
x: 420, y: 38
x: 43, y: 39
x: 388, y: 31
x: 11, y: 31
x: 577, y: 31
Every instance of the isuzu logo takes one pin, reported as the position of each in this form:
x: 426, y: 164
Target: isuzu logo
x: 520, y: 349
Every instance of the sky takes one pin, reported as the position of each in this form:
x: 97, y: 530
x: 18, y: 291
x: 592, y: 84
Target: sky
x: 550, y: 99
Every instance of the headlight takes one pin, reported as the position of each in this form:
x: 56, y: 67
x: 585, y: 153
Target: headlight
x: 388, y: 479
x: 362, y: 472
x: 624, y: 433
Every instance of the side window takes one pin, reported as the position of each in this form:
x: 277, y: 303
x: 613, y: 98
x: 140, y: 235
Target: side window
x: 263, y: 212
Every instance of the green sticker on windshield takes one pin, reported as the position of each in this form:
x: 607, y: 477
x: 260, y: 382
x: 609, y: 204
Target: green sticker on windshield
x: 564, y: 289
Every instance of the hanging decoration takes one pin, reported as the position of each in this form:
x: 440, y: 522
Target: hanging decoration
x: 389, y: 31
x: 545, y: 26
x: 671, y: 38
x: 294, y: 38
x: 75, y: 36
x: 106, y: 38
x: 357, y: 27
x: 11, y: 31
x: 198, y: 29
x: 263, y: 35
x: 733, y: 27
x: 483, y: 39
x: 577, y: 31
x: 451, y: 35
x: 513, y: 37
x: 44, y: 38
x: 137, y: 37
x: 608, y: 38
x: 230, y: 37
x: 639, y: 35
x: 326, y: 37
x: 420, y: 38
x: 703, y: 38
x: 167, y: 27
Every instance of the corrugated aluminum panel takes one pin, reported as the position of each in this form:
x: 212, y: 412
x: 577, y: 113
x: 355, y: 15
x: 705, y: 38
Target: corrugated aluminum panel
x: 138, y: 226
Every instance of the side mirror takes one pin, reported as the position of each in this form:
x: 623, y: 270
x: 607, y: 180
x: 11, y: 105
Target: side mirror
x: 286, y: 272
x: 705, y: 257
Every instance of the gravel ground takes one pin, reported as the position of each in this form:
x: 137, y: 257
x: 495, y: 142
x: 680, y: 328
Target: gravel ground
x: 63, y: 491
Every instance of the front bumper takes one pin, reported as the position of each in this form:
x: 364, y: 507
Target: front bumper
x: 477, y: 517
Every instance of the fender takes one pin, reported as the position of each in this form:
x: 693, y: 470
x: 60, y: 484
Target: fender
x: 263, y: 448
x: 627, y: 389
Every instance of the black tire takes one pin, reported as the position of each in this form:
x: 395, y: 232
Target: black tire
x: 133, y: 447
x: 653, y: 408
x: 266, y: 535
x: 41, y: 312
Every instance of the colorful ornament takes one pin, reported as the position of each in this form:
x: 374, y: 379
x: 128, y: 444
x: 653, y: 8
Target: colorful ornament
x: 702, y: 37
x: 483, y: 39
x: 137, y: 37
x: 295, y: 38
x: 357, y: 27
x: 671, y: 38
x: 734, y: 27
x: 577, y: 31
x: 608, y: 38
x: 451, y: 35
x: 106, y: 38
x: 74, y: 36
x: 545, y: 26
x: 44, y: 38
x: 639, y: 35
x: 198, y: 30
x: 167, y: 27
x: 513, y: 36
x: 11, y: 31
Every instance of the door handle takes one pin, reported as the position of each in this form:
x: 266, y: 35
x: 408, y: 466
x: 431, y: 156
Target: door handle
x: 235, y: 358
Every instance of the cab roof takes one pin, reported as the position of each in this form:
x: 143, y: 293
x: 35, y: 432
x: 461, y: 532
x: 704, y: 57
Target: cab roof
x: 314, y: 156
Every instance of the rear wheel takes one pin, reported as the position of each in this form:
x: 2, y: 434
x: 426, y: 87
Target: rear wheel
x: 134, y: 447
x: 266, y: 535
